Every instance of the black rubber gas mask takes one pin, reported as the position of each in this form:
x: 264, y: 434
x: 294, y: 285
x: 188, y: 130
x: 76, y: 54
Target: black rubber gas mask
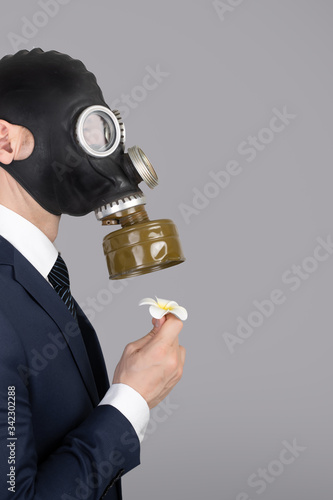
x: 79, y: 163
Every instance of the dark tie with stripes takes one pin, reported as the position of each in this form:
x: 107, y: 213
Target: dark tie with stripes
x: 59, y: 279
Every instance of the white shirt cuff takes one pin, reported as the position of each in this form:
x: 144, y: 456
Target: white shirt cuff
x: 131, y: 404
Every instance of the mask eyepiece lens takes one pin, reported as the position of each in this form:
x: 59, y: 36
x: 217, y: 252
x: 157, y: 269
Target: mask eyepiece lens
x: 98, y: 131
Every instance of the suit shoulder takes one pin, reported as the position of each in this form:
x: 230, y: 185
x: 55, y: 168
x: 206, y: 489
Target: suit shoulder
x: 11, y: 345
x: 10, y: 290
x: 9, y: 310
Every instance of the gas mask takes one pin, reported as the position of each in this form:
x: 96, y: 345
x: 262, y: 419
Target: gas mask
x: 79, y: 163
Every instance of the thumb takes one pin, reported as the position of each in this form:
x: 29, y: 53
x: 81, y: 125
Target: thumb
x: 157, y: 324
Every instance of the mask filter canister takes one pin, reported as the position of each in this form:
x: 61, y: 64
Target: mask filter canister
x: 142, y: 245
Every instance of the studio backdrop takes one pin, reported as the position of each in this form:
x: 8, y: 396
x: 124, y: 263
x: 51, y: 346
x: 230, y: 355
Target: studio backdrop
x: 232, y: 102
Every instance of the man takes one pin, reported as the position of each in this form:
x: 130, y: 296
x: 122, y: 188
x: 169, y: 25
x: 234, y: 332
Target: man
x: 64, y: 434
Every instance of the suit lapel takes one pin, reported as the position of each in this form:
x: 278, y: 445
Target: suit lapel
x: 49, y: 300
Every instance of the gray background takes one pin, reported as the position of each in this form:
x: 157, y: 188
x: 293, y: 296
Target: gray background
x: 232, y: 412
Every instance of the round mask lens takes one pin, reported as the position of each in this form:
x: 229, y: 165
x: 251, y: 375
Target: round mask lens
x: 98, y: 131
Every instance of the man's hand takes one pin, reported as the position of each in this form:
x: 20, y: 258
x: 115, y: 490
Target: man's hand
x: 153, y: 364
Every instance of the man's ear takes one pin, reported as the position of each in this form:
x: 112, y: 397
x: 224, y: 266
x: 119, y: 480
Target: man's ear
x: 6, y: 149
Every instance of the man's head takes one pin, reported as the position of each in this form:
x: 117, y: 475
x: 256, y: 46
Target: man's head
x: 42, y: 96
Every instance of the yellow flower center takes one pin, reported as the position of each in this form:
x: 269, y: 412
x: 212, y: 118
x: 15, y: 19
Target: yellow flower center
x: 165, y: 308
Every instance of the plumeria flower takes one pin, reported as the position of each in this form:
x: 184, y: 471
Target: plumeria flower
x: 160, y: 307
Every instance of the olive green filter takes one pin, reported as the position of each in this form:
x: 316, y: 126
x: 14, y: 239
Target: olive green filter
x: 142, y: 248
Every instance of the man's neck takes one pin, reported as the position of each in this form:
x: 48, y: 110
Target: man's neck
x: 14, y: 197
x: 49, y: 224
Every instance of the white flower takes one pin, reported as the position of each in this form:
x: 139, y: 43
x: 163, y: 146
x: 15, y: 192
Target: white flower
x: 160, y: 307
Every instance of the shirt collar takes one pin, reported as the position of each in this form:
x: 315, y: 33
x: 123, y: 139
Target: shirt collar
x: 30, y: 241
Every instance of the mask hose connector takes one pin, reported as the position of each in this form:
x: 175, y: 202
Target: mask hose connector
x: 126, y: 218
x: 143, y: 166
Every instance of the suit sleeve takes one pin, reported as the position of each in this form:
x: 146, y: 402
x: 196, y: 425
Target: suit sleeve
x: 87, y: 462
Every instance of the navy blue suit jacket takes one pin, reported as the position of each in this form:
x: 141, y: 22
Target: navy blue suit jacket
x: 60, y: 445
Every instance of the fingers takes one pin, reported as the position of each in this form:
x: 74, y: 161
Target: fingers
x: 168, y: 332
x: 165, y: 330
x: 182, y: 353
x: 140, y: 343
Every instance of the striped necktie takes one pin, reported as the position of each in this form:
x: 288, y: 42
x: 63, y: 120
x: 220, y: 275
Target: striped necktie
x: 59, y: 279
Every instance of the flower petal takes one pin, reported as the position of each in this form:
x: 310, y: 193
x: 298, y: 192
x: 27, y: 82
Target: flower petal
x: 157, y: 312
x: 180, y: 312
x: 162, y: 302
x: 147, y: 302
x: 171, y: 304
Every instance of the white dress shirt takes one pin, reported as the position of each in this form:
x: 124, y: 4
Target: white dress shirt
x: 35, y: 246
